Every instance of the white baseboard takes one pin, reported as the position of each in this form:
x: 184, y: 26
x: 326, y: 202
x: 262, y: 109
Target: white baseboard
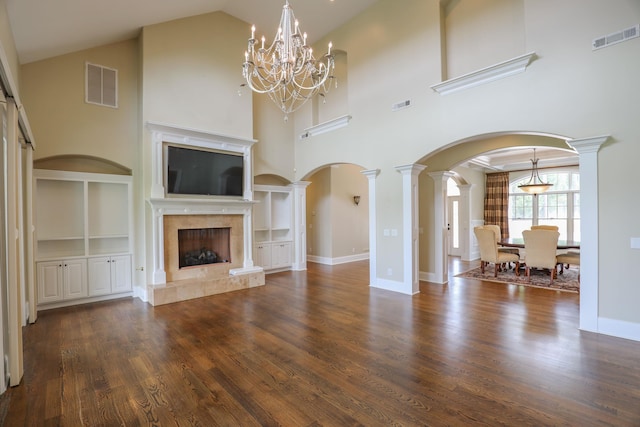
x: 389, y: 285
x: 619, y: 328
x: 338, y: 260
x: 425, y: 276
x: 141, y: 293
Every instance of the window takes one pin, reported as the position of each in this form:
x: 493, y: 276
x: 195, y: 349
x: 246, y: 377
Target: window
x: 559, y: 206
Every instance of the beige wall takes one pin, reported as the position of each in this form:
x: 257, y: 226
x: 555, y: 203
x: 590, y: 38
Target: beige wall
x: 336, y: 226
x: 191, y: 73
x: 481, y: 33
x: 63, y: 124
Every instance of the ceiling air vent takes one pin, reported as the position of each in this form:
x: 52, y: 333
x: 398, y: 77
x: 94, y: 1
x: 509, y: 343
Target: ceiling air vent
x: 617, y: 37
x: 401, y: 105
x: 101, y: 85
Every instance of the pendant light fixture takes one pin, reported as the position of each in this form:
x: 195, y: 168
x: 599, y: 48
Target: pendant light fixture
x: 535, y: 185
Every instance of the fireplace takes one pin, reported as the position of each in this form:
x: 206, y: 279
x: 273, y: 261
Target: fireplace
x: 201, y: 246
x: 176, y: 271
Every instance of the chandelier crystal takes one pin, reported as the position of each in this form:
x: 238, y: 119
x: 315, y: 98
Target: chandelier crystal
x: 287, y: 70
x: 535, y: 185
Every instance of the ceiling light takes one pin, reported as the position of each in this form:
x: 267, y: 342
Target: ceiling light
x: 287, y: 70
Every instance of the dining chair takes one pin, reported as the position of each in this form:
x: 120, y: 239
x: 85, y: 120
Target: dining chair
x: 567, y: 259
x: 489, y: 251
x: 540, y: 247
x: 545, y: 227
x: 498, y: 233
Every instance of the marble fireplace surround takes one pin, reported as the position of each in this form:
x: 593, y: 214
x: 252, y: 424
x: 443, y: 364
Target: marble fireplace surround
x: 169, y: 283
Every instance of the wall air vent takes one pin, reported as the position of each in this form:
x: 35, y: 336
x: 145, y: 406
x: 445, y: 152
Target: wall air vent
x: 617, y: 37
x: 101, y: 85
x: 401, y: 105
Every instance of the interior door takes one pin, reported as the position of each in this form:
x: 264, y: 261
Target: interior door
x: 453, y: 225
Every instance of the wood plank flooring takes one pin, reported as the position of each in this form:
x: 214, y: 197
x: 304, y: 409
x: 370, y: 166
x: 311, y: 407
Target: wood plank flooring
x: 321, y: 348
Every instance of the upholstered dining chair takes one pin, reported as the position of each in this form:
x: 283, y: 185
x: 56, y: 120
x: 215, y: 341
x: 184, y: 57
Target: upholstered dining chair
x: 569, y: 258
x: 498, y: 232
x: 545, y: 227
x: 540, y: 251
x: 489, y: 251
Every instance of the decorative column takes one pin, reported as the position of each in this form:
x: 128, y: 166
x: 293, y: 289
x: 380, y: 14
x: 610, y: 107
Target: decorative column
x: 441, y: 234
x: 588, y: 149
x: 410, y: 231
x: 299, y: 225
x: 371, y: 175
x: 465, y: 221
x: 159, y: 275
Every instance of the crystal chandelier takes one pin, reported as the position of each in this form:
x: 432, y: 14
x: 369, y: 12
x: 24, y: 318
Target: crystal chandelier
x: 535, y: 185
x: 287, y: 70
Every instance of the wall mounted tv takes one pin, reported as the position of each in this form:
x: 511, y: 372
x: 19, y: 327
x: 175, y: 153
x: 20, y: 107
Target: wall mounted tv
x: 191, y: 171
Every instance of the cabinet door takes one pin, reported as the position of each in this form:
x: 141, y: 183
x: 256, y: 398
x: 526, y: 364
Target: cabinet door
x: 281, y: 255
x: 49, y: 281
x: 75, y: 279
x: 120, y: 274
x: 99, y: 276
x: 263, y: 255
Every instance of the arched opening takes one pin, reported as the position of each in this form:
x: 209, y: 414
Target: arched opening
x: 337, y: 214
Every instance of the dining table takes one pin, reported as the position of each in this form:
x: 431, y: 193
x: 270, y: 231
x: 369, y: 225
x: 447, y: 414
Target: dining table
x: 518, y: 242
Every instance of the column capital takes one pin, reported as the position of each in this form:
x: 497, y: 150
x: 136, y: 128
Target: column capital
x: 588, y: 145
x: 371, y: 173
x: 413, y: 169
x: 443, y: 175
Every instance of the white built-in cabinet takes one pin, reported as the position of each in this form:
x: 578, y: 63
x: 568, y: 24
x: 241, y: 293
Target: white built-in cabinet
x: 83, y: 236
x: 273, y: 227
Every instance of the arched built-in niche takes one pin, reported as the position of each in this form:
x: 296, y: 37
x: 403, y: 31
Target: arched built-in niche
x: 81, y: 163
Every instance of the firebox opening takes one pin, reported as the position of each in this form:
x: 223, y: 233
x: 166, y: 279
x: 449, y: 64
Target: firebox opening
x: 201, y: 246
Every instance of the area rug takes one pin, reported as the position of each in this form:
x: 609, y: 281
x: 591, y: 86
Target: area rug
x: 567, y: 282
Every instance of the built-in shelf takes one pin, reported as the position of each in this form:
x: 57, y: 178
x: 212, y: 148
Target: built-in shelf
x: 81, y: 217
x: 485, y: 75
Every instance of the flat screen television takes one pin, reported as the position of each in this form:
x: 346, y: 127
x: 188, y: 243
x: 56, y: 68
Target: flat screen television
x: 191, y: 171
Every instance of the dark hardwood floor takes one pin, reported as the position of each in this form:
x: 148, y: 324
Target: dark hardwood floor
x: 322, y: 348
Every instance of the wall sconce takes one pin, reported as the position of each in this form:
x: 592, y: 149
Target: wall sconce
x: 356, y: 200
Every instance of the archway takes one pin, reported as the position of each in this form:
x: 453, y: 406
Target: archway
x: 337, y: 214
x: 455, y: 153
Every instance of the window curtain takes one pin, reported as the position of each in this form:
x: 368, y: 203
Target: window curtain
x: 496, y: 201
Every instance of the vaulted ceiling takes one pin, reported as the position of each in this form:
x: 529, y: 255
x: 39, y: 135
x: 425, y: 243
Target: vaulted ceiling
x: 45, y: 29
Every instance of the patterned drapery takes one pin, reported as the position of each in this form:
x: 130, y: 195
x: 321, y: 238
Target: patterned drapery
x: 496, y: 201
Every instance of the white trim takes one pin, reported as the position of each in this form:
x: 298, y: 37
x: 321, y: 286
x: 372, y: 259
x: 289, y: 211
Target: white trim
x: 392, y: 285
x: 338, y: 260
x: 373, y: 241
x: 485, y: 75
x: 587, y: 149
x: 9, y: 84
x: 619, y: 328
x: 162, y: 133
x: 327, y: 126
x: 410, y: 229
